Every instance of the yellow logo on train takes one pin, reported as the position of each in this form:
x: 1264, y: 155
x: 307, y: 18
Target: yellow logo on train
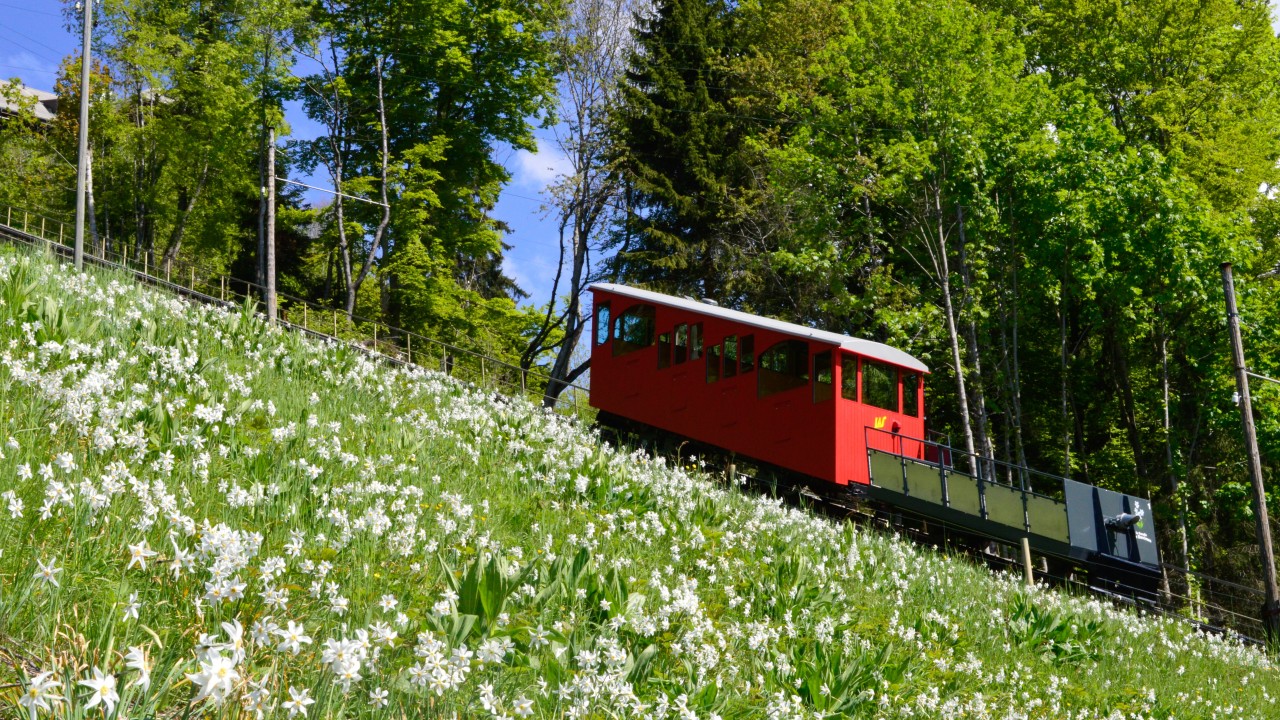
x: 880, y: 421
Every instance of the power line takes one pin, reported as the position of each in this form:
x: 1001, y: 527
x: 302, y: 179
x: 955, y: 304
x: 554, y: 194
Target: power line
x: 29, y: 10
x: 24, y: 35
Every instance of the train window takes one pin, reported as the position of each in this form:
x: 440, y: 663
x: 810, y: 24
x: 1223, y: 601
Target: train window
x: 879, y: 385
x: 910, y: 394
x: 602, y: 324
x: 746, y: 353
x: 633, y: 329
x: 731, y: 356
x: 664, y: 350
x: 849, y: 377
x: 682, y: 343
x: 823, y: 389
x: 784, y: 366
x: 713, y: 363
x: 695, y: 341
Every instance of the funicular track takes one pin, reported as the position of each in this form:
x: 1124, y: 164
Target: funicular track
x: 1211, y: 604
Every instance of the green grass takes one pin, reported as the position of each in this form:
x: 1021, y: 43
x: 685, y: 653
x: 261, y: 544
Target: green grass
x: 534, y: 569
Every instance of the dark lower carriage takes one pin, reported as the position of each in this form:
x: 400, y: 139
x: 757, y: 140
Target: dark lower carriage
x: 1108, y: 534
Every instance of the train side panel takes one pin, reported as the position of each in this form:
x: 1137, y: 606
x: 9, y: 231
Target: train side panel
x: 696, y: 394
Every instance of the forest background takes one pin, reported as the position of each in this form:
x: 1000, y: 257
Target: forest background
x: 1032, y: 197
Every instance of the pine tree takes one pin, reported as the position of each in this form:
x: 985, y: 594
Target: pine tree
x: 682, y: 152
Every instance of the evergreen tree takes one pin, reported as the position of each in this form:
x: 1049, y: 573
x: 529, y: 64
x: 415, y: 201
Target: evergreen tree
x: 682, y: 151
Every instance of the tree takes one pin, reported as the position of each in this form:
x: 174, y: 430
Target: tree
x: 593, y: 43
x: 681, y: 147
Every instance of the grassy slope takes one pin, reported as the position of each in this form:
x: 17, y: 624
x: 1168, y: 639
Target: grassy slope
x: 609, y: 585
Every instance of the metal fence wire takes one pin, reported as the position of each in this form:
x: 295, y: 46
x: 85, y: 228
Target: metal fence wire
x: 202, y: 281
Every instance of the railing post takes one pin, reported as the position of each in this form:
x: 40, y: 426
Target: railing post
x: 335, y: 323
x: 193, y: 277
x: 42, y: 227
x: 1026, y: 561
x: 408, y: 338
x: 304, y: 317
x: 8, y: 219
x: 24, y: 221
x: 146, y: 263
x: 222, y: 287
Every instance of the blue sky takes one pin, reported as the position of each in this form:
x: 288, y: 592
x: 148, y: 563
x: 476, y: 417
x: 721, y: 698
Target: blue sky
x: 34, y: 39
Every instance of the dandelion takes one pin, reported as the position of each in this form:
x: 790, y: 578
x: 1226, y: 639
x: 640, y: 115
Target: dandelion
x: 298, y: 702
x: 104, y: 691
x: 48, y: 572
x: 136, y: 659
x: 138, y: 555
x: 40, y: 694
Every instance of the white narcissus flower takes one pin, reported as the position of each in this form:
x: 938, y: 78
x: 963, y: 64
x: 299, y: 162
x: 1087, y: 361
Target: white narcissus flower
x: 216, y: 678
x: 293, y: 638
x: 104, y: 691
x: 131, y: 608
x: 235, y: 639
x: 298, y: 701
x: 40, y: 694
x: 138, y: 555
x: 48, y: 571
x: 378, y: 697
x: 136, y: 659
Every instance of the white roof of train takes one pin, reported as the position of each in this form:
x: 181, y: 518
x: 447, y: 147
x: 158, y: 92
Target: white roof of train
x: 866, y: 348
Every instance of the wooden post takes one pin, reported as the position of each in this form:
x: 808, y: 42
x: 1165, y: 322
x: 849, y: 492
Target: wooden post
x: 731, y: 473
x: 304, y: 316
x: 42, y: 237
x: 1026, y: 560
x: 1271, y: 607
x: 146, y: 263
x: 408, y: 337
x: 222, y: 287
x: 335, y: 323
x: 193, y: 277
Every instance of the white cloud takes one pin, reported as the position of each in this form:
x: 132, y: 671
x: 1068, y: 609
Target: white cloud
x: 534, y: 171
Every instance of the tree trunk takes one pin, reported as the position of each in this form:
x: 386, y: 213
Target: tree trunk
x: 186, y: 203
x: 981, y: 438
x: 354, y: 288
x: 953, y: 336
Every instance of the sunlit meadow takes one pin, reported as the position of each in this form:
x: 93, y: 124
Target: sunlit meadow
x: 204, y: 517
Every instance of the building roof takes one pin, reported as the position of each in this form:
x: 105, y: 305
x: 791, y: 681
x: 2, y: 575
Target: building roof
x: 866, y: 348
x: 46, y: 103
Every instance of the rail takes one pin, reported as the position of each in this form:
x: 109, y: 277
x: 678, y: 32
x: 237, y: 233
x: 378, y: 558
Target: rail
x: 202, y: 282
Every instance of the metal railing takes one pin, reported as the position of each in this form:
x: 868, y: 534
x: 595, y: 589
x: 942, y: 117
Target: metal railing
x: 202, y: 281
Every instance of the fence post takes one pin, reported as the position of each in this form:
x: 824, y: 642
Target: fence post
x: 1026, y: 560
x: 335, y: 323
x: 483, y: 378
x: 146, y: 263
x: 8, y: 220
x: 42, y: 227
x: 408, y: 337
x: 24, y: 221
x: 304, y: 317
x: 222, y: 287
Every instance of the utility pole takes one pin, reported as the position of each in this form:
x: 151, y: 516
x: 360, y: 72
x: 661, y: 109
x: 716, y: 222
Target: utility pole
x: 82, y: 161
x: 271, y: 225
x: 1271, y: 607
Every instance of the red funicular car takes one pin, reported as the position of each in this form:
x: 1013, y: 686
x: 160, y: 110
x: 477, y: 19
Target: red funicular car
x: 775, y: 392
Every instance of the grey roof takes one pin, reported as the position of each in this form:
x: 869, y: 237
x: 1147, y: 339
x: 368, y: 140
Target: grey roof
x: 46, y: 103
x: 866, y: 348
